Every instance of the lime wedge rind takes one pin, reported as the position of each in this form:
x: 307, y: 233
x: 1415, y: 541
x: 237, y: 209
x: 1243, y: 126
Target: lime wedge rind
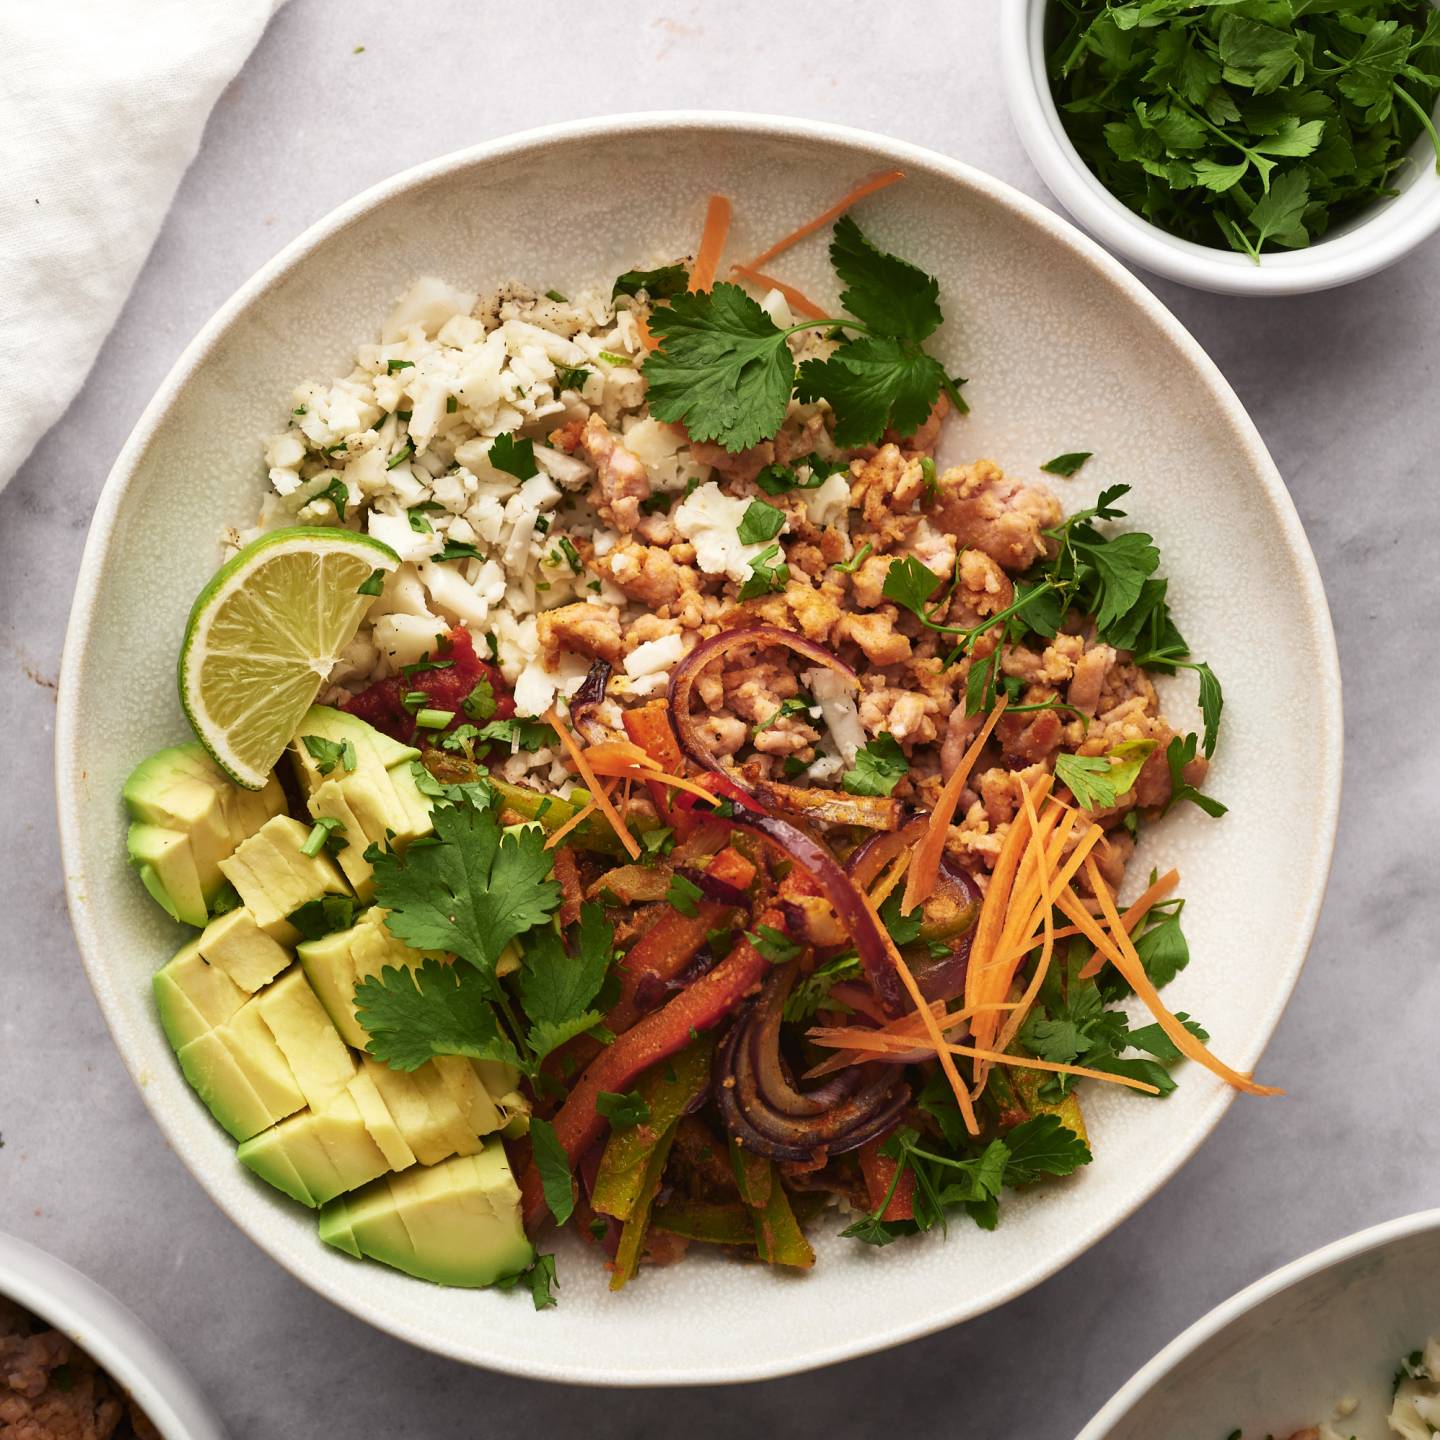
x: 297, y: 590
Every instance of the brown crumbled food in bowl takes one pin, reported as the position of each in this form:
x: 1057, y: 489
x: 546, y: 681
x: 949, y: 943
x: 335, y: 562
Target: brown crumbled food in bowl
x: 50, y: 1389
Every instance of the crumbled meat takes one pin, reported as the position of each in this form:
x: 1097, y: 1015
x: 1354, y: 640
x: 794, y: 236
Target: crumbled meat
x: 913, y: 719
x: 875, y: 633
x: 1089, y: 679
x: 645, y: 573
x: 622, y: 478
x: 583, y: 629
x: 980, y: 507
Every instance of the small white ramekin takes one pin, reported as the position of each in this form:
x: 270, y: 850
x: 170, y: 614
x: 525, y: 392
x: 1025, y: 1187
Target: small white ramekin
x: 1360, y: 247
x: 125, y: 1349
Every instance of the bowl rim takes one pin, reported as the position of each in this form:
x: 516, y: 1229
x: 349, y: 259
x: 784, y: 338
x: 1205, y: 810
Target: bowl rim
x: 103, y: 1327
x: 1368, y: 245
x: 1229, y: 1310
x: 69, y: 723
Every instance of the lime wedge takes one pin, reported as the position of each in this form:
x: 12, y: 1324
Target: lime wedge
x: 263, y: 635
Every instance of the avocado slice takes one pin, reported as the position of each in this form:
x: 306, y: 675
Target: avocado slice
x: 322, y: 1066
x: 372, y: 746
x: 425, y: 1132
x: 329, y: 1151
x: 464, y: 1086
x: 193, y: 996
x: 380, y: 1122
x: 332, y: 802
x: 251, y: 1041
x: 275, y: 878
x: 336, y: 963
x: 458, y: 1222
x: 235, y: 944
x: 187, y: 817
x: 218, y: 1079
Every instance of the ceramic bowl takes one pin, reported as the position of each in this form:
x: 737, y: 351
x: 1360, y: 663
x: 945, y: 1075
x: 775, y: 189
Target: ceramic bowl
x: 1361, y: 246
x: 1281, y: 1355
x: 1065, y: 351
x: 128, y: 1351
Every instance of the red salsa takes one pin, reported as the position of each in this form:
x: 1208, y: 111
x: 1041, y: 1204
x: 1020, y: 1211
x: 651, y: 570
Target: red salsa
x: 453, y: 677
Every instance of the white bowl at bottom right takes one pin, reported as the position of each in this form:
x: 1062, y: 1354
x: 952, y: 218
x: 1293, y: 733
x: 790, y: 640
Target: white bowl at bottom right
x: 1282, y: 1353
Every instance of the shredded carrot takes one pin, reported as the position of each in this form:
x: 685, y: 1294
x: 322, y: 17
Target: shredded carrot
x: 892, y: 877
x: 646, y: 338
x: 937, y: 1040
x: 556, y: 836
x: 925, y: 868
x: 622, y: 770
x: 1122, y: 954
x: 1133, y: 916
x: 798, y: 299
x: 624, y: 752
x: 872, y: 1042
x: 866, y: 187
x: 712, y: 242
x: 995, y: 907
x: 597, y: 791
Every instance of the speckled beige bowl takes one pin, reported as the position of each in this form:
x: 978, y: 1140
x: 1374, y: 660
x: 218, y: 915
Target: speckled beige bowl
x: 1064, y: 350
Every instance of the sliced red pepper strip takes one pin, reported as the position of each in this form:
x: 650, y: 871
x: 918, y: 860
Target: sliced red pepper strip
x: 656, y: 1037
x: 649, y: 727
x: 669, y: 945
x: 572, y: 892
x: 879, y: 1173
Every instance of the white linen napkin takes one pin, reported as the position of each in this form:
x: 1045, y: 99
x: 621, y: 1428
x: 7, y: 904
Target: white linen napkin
x: 104, y: 105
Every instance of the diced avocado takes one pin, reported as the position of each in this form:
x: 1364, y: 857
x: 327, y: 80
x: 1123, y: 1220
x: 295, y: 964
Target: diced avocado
x: 459, y: 1137
x: 252, y: 1042
x: 459, y: 1222
x: 168, y: 871
x: 380, y: 1122
x: 335, y: 1228
x: 466, y: 1089
x: 330, y: 1151
x: 425, y: 1133
x: 337, y: 962
x: 331, y: 802
x: 317, y: 1056
x: 268, y: 1155
x: 372, y: 746
x: 188, y: 817
x: 193, y: 996
x: 217, y: 1078
x: 275, y: 878
x: 236, y: 945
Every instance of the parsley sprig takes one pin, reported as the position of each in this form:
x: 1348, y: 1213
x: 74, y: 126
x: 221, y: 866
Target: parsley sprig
x: 724, y: 367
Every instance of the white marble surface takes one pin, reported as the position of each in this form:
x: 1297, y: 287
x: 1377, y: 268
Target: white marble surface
x: 1343, y: 388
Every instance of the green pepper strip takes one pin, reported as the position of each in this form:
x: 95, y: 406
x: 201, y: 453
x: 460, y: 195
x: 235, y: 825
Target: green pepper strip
x: 778, y: 1236
x: 754, y: 1176
x: 706, y: 1221
x: 668, y: 1090
x: 632, y: 1234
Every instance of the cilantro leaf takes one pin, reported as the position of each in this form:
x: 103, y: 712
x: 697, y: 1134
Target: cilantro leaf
x: 782, y: 479
x: 556, y: 989
x: 318, y: 918
x: 327, y: 754
x: 543, y: 1283
x: 1212, y: 702
x: 1042, y: 1146
x: 684, y: 895
x: 879, y: 766
x: 514, y: 457
x: 554, y: 1167
x: 1178, y: 754
x: 773, y: 944
x: 1100, y: 781
x: 887, y: 294
x: 760, y: 522
x: 723, y: 367
x: 659, y: 284
x: 624, y: 1112
x: 768, y: 572
x: 1068, y: 463
x: 909, y: 583
x: 373, y: 584
x: 569, y: 377
x: 468, y: 889
x: 873, y: 384
x: 413, y: 1015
